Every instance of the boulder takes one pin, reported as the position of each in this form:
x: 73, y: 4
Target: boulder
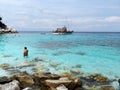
x: 75, y: 71
x: 53, y: 84
x: 14, y: 85
x: 66, y: 74
x: 5, y: 66
x: 4, y: 80
x: 119, y: 81
x: 25, y: 64
x: 70, y: 84
x: 26, y: 81
x: 107, y: 88
x: 61, y: 87
x: 41, y: 77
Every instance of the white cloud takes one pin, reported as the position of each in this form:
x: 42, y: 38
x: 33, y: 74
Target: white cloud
x: 113, y: 19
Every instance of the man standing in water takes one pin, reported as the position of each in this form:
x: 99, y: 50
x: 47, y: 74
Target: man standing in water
x: 25, y: 53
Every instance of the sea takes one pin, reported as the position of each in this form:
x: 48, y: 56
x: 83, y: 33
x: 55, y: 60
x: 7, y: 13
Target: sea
x: 80, y: 52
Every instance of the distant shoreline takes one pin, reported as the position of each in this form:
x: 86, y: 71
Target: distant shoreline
x: 51, y: 32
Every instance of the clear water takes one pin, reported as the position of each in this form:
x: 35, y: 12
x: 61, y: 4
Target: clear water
x: 95, y: 52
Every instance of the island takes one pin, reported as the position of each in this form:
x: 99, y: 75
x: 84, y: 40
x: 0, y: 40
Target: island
x: 6, y: 29
x: 62, y: 30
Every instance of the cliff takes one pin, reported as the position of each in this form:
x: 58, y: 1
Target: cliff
x: 5, y: 29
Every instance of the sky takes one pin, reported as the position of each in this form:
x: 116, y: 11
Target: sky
x: 77, y: 15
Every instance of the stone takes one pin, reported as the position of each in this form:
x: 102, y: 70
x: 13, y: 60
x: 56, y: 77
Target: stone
x: 27, y: 88
x: 14, y: 85
x: 75, y: 71
x: 5, y: 66
x: 78, y: 82
x: 25, y: 81
x: 66, y: 74
x: 37, y: 59
x: 40, y: 68
x: 54, y: 64
x: 61, y: 87
x: 25, y: 64
x: 119, y: 81
x: 5, y: 56
x: 53, y: 84
x: 79, y: 88
x: 41, y: 77
x: 107, y: 88
x: 4, y: 80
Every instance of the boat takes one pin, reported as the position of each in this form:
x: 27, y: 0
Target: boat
x: 62, y: 30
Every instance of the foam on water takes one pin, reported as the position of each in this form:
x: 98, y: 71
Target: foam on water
x: 96, y: 52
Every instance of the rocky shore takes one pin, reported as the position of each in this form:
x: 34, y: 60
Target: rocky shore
x: 49, y: 81
x: 42, y: 79
x: 6, y: 29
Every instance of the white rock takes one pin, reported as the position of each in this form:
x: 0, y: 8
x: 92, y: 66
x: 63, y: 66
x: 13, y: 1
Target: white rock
x: 61, y: 87
x: 14, y: 85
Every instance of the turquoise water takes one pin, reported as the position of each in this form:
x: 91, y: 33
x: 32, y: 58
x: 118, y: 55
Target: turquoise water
x: 95, y: 52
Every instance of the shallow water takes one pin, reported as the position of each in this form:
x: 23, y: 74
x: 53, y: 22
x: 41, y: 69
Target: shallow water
x: 95, y: 52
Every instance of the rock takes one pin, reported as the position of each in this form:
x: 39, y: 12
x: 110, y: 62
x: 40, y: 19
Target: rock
x: 26, y: 81
x: 28, y: 88
x: 79, y: 88
x: 78, y: 82
x: 4, y: 80
x: 5, y: 56
x: 70, y: 84
x: 41, y: 77
x: 53, y: 84
x: 107, y: 88
x: 78, y: 66
x: 25, y: 64
x: 75, y: 71
x: 119, y: 81
x: 61, y: 87
x: 80, y: 53
x: 66, y: 74
x: 40, y: 68
x: 14, y: 85
x: 95, y: 79
x: 37, y: 59
x: 54, y: 64
x: 5, y: 66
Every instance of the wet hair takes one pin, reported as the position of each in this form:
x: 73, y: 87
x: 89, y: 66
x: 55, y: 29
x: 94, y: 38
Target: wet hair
x: 25, y: 47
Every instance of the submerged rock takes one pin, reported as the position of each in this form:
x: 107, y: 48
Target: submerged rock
x: 5, y: 56
x: 75, y: 71
x: 25, y: 64
x: 80, y: 53
x: 5, y: 66
x: 107, y: 88
x: 61, y: 53
x: 66, y: 74
x: 37, y: 59
x: 55, y: 64
x: 77, y: 66
x: 96, y: 79
x: 41, y: 68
